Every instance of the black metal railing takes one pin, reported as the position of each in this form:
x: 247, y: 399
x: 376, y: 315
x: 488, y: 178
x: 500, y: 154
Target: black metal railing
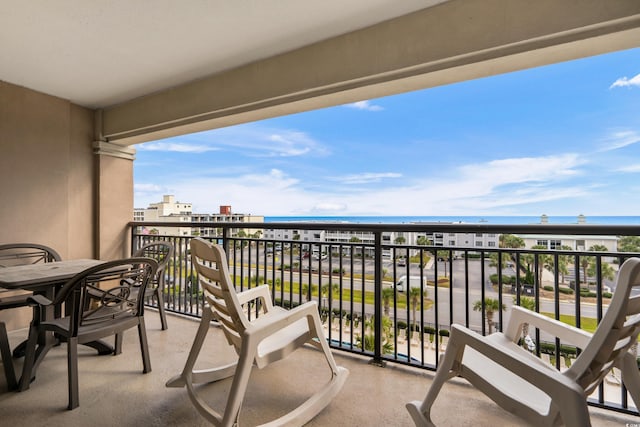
x: 394, y: 301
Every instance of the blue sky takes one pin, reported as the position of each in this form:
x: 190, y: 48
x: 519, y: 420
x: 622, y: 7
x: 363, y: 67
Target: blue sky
x: 557, y: 140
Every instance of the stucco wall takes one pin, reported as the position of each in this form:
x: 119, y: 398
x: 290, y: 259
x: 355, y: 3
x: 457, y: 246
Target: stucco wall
x: 46, y: 176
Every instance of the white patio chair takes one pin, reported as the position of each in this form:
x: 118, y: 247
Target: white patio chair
x: 527, y: 386
x: 270, y: 337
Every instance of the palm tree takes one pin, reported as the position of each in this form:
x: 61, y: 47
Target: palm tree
x: 491, y: 305
x: 606, y: 271
x: 495, y: 258
x: 423, y: 241
x: 585, y: 262
x: 629, y: 243
x: 563, y: 263
x: 414, y: 301
x: 444, y: 255
x: 387, y: 296
x: 305, y: 290
x: 511, y: 241
x: 588, y: 264
x: 367, y: 342
x: 544, y: 261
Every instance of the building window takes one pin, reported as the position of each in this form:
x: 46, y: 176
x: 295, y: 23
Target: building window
x: 491, y: 244
x: 479, y: 244
x: 544, y: 243
x: 555, y: 244
x: 452, y: 242
x: 478, y: 234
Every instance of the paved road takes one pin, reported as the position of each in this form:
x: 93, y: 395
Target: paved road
x: 455, y: 270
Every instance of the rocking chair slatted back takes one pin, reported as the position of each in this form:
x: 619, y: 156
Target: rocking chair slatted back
x: 617, y: 332
x: 219, y: 292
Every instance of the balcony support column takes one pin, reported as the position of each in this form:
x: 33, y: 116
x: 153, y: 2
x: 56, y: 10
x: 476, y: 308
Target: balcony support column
x: 113, y: 199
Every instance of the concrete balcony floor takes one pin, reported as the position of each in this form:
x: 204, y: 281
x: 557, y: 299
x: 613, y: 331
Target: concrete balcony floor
x: 113, y: 390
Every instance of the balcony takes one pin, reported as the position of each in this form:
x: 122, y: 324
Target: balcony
x: 353, y: 280
x: 113, y: 390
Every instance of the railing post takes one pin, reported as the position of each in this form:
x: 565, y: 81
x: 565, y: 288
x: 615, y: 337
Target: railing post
x: 225, y: 239
x: 133, y: 234
x: 377, y: 310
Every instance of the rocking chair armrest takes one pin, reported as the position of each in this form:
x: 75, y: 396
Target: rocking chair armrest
x: 259, y: 292
x: 270, y: 323
x: 563, y: 331
x: 552, y: 382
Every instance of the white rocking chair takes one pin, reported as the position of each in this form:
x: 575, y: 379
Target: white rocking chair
x: 271, y: 336
x: 527, y: 386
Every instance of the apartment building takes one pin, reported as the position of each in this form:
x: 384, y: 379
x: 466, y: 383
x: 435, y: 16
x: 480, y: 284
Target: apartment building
x: 170, y: 210
x: 225, y: 214
x: 575, y: 242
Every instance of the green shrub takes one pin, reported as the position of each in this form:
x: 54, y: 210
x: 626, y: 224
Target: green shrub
x: 564, y: 290
x: 548, y: 288
x: 506, y: 280
x: 565, y: 350
x: 528, y: 278
x: 429, y: 330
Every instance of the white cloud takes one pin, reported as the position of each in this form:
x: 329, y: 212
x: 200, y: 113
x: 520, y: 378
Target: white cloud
x: 256, y: 140
x: 630, y: 169
x: 626, y: 82
x: 178, y: 147
x: 147, y: 187
x: 290, y: 143
x: 329, y: 208
x: 144, y: 194
x: 485, y: 188
x: 366, y: 178
x: 620, y: 139
x: 365, y: 105
x: 524, y: 169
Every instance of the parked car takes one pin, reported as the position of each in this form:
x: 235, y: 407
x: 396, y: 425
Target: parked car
x: 404, y: 283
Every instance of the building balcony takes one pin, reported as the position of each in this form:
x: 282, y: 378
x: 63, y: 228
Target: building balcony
x: 353, y: 284
x: 114, y: 391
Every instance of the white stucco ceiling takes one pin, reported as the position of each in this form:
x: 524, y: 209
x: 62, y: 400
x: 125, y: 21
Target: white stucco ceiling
x: 99, y: 53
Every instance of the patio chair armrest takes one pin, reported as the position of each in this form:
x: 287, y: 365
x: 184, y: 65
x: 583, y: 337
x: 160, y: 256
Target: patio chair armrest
x: 14, y: 301
x: 39, y: 300
x: 260, y: 292
x: 558, y: 386
x: 268, y: 324
x: 563, y: 331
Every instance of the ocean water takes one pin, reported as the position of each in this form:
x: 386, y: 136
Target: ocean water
x: 592, y: 220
